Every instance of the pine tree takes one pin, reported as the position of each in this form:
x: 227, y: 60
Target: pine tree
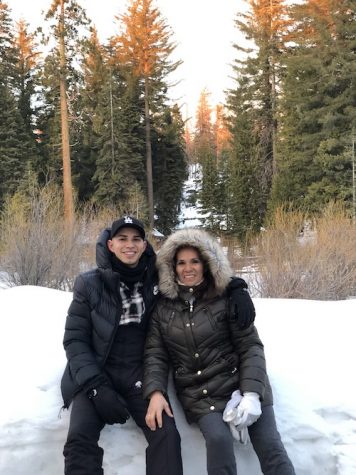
x: 60, y: 80
x: 145, y: 44
x: 255, y: 97
x: 319, y: 104
x: 25, y: 69
x: 170, y: 167
x: 48, y: 166
x: 7, y: 45
x: 245, y: 199
x: 120, y: 142
x: 95, y: 70
x: 222, y: 139
x: 204, y: 153
x: 221, y: 132
x: 16, y: 143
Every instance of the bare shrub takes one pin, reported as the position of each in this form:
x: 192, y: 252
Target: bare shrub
x: 300, y: 257
x: 34, y: 247
x: 335, y: 254
x: 92, y: 221
x: 244, y: 263
x: 35, y: 250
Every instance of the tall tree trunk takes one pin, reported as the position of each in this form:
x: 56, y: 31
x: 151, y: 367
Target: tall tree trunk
x: 149, y: 157
x: 112, y: 126
x: 273, y: 96
x: 67, y: 175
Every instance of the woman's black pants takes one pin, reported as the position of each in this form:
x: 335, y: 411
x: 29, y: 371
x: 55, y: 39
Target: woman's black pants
x: 264, y: 437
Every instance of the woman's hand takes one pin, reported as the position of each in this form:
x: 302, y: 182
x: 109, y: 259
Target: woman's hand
x: 157, y: 405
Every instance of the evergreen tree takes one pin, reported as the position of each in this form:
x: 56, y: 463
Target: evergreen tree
x: 222, y: 140
x: 95, y: 70
x: 170, y: 168
x: 221, y: 132
x: 255, y: 98
x: 25, y: 69
x: 145, y: 45
x: 16, y: 143
x: 245, y: 201
x: 60, y: 82
x: 48, y: 162
x: 8, y: 52
x: 120, y: 138
x: 204, y: 153
x: 319, y: 107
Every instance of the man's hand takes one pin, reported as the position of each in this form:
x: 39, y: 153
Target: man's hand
x: 109, y: 404
x: 241, y: 308
x: 157, y: 405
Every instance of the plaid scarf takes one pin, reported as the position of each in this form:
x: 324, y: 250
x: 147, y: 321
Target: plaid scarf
x: 133, y: 306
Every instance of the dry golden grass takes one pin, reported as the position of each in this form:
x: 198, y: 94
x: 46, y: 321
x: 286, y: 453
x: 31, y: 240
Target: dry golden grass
x: 34, y: 247
x: 300, y: 257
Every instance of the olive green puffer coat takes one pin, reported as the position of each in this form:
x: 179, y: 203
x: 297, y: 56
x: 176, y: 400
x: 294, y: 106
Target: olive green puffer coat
x: 191, y: 331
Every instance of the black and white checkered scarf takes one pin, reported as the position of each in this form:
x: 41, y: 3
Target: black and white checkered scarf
x: 133, y: 306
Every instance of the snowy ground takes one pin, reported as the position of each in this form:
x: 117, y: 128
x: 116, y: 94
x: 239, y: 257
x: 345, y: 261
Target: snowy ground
x: 310, y: 352
x: 191, y: 216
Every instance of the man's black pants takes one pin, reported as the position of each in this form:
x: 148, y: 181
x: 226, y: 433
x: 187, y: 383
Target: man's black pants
x: 83, y: 456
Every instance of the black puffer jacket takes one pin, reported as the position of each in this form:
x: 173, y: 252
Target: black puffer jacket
x: 94, y: 316
x: 210, y: 355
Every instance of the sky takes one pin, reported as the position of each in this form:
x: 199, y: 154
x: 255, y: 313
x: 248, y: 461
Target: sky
x: 203, y: 30
x: 310, y: 351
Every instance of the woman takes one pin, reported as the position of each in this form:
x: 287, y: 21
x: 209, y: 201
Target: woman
x: 211, y: 356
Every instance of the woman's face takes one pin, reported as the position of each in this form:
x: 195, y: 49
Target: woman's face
x: 189, y: 266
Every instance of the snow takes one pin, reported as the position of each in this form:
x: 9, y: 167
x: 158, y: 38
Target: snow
x: 310, y: 354
x: 191, y: 216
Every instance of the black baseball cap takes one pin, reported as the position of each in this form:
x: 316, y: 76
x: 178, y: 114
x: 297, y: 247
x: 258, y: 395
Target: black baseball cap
x: 127, y: 222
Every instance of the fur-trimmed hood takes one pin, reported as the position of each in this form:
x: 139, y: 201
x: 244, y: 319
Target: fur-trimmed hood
x: 210, y: 250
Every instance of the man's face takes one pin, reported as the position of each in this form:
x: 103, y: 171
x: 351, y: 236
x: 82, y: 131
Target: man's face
x: 128, y: 246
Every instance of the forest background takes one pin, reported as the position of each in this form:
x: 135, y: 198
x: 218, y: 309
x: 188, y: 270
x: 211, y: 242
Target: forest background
x: 90, y: 125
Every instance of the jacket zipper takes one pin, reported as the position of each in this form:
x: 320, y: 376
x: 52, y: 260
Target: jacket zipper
x: 117, y: 321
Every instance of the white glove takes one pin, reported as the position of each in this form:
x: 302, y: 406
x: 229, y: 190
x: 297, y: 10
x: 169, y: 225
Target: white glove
x: 230, y: 411
x: 248, y: 411
x: 229, y: 416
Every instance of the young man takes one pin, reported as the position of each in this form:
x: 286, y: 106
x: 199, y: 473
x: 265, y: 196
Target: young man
x: 104, y: 340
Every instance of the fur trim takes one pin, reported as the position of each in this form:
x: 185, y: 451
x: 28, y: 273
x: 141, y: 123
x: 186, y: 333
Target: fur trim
x: 211, y: 251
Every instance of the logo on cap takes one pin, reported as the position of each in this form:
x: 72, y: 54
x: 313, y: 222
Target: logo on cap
x: 128, y: 220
